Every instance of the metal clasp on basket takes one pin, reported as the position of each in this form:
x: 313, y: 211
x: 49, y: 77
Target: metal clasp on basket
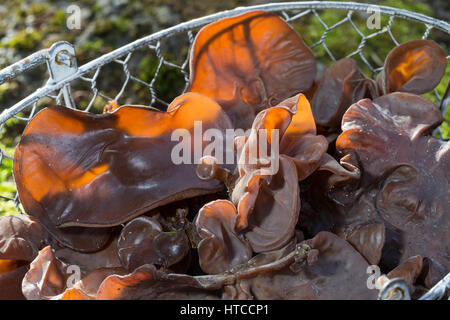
x: 62, y: 63
x: 393, y: 289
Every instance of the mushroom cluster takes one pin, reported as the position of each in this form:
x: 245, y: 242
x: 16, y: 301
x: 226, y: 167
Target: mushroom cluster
x: 350, y: 180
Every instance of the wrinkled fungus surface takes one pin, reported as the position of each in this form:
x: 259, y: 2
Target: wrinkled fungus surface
x: 416, y: 67
x: 250, y: 62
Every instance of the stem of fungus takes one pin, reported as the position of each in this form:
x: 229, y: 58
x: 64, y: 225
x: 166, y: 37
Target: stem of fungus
x: 245, y: 271
x: 208, y: 169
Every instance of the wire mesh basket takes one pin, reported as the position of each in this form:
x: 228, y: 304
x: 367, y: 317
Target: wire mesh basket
x: 65, y: 76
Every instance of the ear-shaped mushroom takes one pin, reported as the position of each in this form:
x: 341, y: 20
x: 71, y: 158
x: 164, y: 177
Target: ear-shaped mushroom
x: 259, y: 151
x: 148, y: 283
x: 258, y: 156
x: 21, y: 238
x: 342, y: 172
x: 11, y: 276
x: 248, y: 63
x: 432, y: 272
x: 135, y: 242
x: 51, y: 279
x: 87, y: 287
x: 80, y: 239
x: 368, y: 239
x: 221, y: 247
x: 322, y: 194
x: 337, y: 272
x: 293, y: 124
x: 270, y: 224
x: 405, y: 173
x: 300, y: 142
x: 46, y: 278
x: 266, y: 192
x: 107, y: 257
x: 341, y: 85
x: 142, y: 241
x: 415, y: 66
x: 73, y: 168
x: 409, y: 270
x: 389, y: 125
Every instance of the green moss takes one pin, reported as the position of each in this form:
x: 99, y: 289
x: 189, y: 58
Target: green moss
x: 58, y: 19
x: 96, y: 107
x: 169, y: 82
x: 7, y: 207
x: 7, y: 186
x: 38, y: 8
x: 92, y: 45
x: 375, y: 49
x: 122, y: 24
x: 69, y: 37
x: 410, y: 5
x: 5, y: 89
x: 147, y: 67
x: 440, y: 88
x: 10, y: 134
x: 25, y: 40
x: 21, y: 14
x: 103, y: 27
x: 96, y: 8
x: 445, y: 127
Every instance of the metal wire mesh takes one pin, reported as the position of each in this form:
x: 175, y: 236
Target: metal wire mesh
x: 88, y: 76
